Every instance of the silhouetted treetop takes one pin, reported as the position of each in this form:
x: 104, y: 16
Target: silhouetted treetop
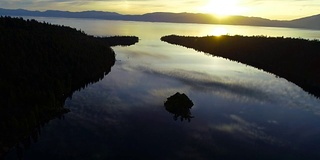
x: 179, y: 105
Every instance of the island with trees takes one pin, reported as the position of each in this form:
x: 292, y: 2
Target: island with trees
x: 295, y: 59
x: 41, y: 65
x: 179, y: 105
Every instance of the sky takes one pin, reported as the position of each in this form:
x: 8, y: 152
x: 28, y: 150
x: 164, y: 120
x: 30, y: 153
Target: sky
x: 271, y: 9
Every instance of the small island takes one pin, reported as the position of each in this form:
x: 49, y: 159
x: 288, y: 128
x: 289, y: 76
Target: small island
x: 179, y: 105
x: 41, y: 65
x: 295, y: 59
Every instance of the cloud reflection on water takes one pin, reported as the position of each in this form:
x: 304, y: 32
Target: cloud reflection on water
x: 141, y: 54
x: 276, y: 92
x: 247, y: 129
x: 216, y: 85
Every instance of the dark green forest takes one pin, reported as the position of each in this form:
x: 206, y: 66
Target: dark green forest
x: 295, y: 59
x: 40, y: 66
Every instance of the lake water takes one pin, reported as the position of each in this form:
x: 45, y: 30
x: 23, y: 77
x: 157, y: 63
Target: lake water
x: 240, y: 112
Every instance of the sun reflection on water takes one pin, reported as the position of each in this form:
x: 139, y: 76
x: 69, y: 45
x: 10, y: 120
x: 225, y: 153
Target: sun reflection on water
x: 219, y: 31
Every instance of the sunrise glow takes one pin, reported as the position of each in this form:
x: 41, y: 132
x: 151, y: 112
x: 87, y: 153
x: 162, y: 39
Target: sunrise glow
x: 275, y: 10
x: 222, y: 7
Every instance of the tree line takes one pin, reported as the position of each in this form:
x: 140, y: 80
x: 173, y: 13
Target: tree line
x: 295, y: 59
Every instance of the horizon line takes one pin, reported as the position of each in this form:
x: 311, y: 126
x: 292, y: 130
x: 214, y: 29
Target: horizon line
x: 215, y: 15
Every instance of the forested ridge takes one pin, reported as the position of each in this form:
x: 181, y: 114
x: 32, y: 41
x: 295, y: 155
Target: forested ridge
x: 295, y: 59
x: 49, y: 56
x: 40, y: 66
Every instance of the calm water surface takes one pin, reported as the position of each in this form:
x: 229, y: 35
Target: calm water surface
x: 240, y: 112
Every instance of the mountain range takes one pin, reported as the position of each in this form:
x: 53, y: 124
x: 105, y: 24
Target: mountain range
x: 311, y: 22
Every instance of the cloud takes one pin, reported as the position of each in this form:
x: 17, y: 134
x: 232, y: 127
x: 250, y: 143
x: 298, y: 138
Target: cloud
x: 285, y: 9
x: 121, y: 6
x: 260, y: 8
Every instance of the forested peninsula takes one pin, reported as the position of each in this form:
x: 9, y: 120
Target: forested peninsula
x: 40, y: 66
x: 295, y: 59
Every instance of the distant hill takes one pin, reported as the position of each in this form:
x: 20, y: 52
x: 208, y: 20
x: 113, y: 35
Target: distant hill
x: 54, y: 13
x: 312, y: 22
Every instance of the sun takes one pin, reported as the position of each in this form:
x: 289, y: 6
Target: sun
x: 222, y: 7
